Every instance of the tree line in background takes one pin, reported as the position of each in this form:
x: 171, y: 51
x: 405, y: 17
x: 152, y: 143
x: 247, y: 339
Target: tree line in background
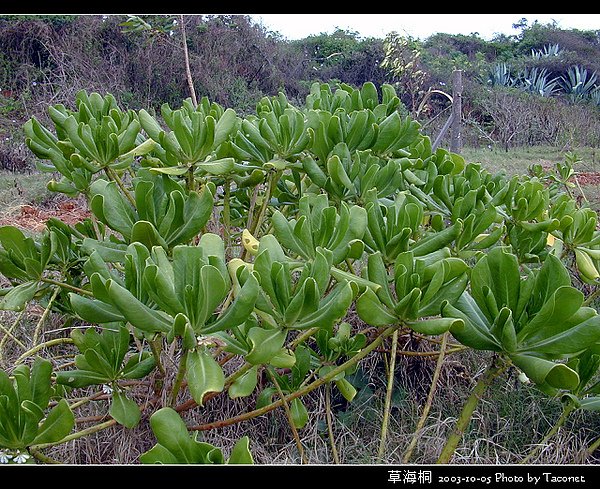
x: 536, y: 87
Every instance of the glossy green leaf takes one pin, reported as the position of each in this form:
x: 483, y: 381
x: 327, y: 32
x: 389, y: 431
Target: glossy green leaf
x: 204, y: 375
x: 159, y: 454
x: 565, y: 336
x: 332, y: 307
x: 94, y: 311
x: 81, y: 378
x: 346, y: 389
x: 111, y: 207
x: 58, y: 424
x: 171, y: 170
x: 283, y: 359
x: 138, y: 314
x: 553, y: 316
x: 245, y: 384
x: 241, y: 452
x: 124, y: 410
x: 40, y: 381
x: 436, y: 241
x: 20, y: 246
x: 239, y: 310
x: 265, y: 344
x: 217, y: 167
x: 138, y: 366
x: 18, y: 297
x: 591, y: 403
x: 172, y: 434
x: 474, y: 330
x: 145, y: 233
x: 499, y: 272
x: 109, y: 251
x: 299, y: 413
x: 304, y: 302
x: 372, y: 311
x: 542, y: 371
x: 265, y: 397
x: 435, y: 326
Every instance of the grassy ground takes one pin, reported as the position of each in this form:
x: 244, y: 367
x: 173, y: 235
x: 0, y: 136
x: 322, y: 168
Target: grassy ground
x: 22, y: 188
x: 510, y: 420
x: 517, y: 160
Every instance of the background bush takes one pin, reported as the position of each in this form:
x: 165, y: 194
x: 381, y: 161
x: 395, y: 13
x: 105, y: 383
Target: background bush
x: 234, y: 61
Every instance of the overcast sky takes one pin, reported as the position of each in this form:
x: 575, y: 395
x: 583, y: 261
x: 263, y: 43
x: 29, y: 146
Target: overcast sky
x: 298, y: 26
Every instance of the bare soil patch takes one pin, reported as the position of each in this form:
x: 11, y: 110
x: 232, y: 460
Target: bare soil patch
x: 588, y: 178
x: 33, y: 218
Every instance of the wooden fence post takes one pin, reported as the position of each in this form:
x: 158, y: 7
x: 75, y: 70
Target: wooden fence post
x: 456, y: 137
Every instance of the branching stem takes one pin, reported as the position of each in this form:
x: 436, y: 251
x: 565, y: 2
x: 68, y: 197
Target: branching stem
x: 78, y: 434
x: 41, y: 346
x: 8, y: 333
x: 40, y: 323
x: 328, y: 415
x: 301, y: 392
x: 113, y: 175
x: 388, y: 398
x: 428, y: 403
x: 179, y: 378
x: 67, y: 286
x: 495, y: 369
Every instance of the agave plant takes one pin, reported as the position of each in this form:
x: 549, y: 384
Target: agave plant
x: 595, y: 96
x: 500, y: 76
x: 538, y: 82
x: 578, y: 84
x: 547, y: 51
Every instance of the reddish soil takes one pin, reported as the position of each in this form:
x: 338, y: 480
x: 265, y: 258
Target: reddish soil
x: 33, y: 218
x: 588, y: 178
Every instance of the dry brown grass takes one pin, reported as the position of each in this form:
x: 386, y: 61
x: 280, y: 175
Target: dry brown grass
x: 509, y: 422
